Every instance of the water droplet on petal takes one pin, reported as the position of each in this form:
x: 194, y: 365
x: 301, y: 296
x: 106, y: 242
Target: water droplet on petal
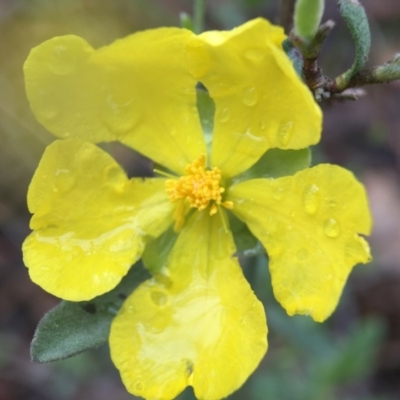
x: 254, y: 54
x: 115, y: 177
x: 278, y: 194
x: 285, y: 133
x: 311, y: 199
x: 120, y: 245
x: 331, y: 227
x: 119, y: 113
x: 62, y: 61
x: 64, y: 181
x: 159, y: 297
x: 139, y: 386
x: 262, y: 124
x: 250, y: 96
x: 224, y: 115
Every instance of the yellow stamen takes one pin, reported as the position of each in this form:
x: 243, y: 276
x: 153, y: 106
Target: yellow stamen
x: 200, y: 187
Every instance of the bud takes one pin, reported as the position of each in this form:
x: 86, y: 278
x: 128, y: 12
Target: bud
x: 307, y: 17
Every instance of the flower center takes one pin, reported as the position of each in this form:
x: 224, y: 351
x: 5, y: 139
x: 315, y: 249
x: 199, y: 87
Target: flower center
x: 199, y: 187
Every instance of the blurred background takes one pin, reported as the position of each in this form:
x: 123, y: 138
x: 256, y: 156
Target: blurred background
x: 354, y: 355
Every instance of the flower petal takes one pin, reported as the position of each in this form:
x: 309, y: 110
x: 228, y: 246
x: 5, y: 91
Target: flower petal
x: 199, y: 324
x: 260, y: 101
x: 137, y: 90
x: 90, y: 221
x: 308, y: 223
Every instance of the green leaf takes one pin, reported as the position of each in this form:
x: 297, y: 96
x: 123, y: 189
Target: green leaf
x: 276, y: 163
x: 388, y: 72
x: 357, y: 22
x: 156, y: 252
x: 355, y: 357
x: 73, y: 327
x: 307, y: 17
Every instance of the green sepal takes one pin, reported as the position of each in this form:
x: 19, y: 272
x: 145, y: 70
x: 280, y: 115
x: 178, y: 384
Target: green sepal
x: 276, y: 163
x: 273, y: 164
x: 186, y: 21
x: 307, y: 17
x: 73, y: 327
x: 295, y: 56
x: 157, y: 251
x: 357, y: 21
x: 246, y: 243
x: 206, y: 109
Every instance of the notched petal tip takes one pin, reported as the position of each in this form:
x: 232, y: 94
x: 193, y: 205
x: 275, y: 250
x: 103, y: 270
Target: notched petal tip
x: 310, y: 228
x: 101, y: 95
x: 200, y: 329
x: 90, y: 221
x: 260, y: 100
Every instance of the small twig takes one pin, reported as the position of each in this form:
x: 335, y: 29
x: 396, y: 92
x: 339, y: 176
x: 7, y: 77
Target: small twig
x: 310, y: 50
x: 348, y: 94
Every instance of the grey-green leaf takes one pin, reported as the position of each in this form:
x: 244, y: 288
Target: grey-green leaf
x: 357, y: 21
x: 73, y: 327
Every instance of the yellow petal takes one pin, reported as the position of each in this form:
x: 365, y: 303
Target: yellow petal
x: 90, y: 221
x: 308, y: 224
x: 137, y: 90
x: 197, y: 324
x: 260, y: 101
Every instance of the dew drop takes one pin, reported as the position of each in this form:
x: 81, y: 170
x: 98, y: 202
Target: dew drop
x: 250, y: 96
x: 114, y: 176
x: 139, y: 386
x: 64, y: 181
x: 120, y: 245
x: 62, y: 61
x: 331, y: 227
x: 254, y: 54
x: 278, y: 194
x: 262, y: 124
x: 311, y: 199
x: 224, y: 115
x: 285, y: 133
x: 332, y: 203
x: 159, y: 297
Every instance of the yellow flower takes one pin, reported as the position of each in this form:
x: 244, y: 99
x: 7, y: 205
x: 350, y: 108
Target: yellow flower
x: 197, y: 322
